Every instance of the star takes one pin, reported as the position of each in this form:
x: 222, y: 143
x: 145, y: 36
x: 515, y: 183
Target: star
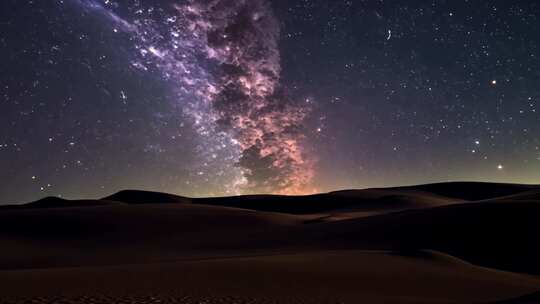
x: 242, y: 92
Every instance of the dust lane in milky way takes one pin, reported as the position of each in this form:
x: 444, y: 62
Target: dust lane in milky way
x: 222, y: 97
x: 222, y: 60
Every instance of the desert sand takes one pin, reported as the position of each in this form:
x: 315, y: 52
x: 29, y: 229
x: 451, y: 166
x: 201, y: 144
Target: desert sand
x: 441, y: 243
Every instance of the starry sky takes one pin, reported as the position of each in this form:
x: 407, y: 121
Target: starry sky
x: 223, y: 97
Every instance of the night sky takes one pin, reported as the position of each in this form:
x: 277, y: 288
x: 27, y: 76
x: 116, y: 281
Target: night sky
x: 225, y: 97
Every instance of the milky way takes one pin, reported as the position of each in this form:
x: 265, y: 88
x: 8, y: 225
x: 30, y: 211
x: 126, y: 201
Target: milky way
x: 222, y: 61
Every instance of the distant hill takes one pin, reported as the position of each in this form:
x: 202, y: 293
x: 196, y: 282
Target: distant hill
x: 473, y: 191
x: 146, y: 197
x: 377, y: 200
x: 359, y: 200
x: 56, y: 202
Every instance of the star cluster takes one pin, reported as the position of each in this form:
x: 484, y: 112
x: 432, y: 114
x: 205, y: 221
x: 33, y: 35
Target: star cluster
x: 226, y: 97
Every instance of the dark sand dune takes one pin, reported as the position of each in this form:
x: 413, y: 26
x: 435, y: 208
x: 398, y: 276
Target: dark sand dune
x: 370, y: 200
x: 146, y: 197
x: 351, y: 200
x: 529, y: 196
x: 422, y: 244
x: 134, y: 234
x: 55, y: 202
x: 473, y: 191
x: 505, y: 237
x: 533, y: 298
x: 501, y: 235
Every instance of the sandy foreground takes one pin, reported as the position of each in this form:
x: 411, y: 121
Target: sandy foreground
x: 313, y: 277
x: 407, y: 250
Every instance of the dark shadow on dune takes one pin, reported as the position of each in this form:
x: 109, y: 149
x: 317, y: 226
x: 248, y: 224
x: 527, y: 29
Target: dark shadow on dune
x: 496, y: 235
x: 55, y: 202
x: 533, y: 298
x: 473, y: 191
x: 146, y: 197
x: 364, y: 200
